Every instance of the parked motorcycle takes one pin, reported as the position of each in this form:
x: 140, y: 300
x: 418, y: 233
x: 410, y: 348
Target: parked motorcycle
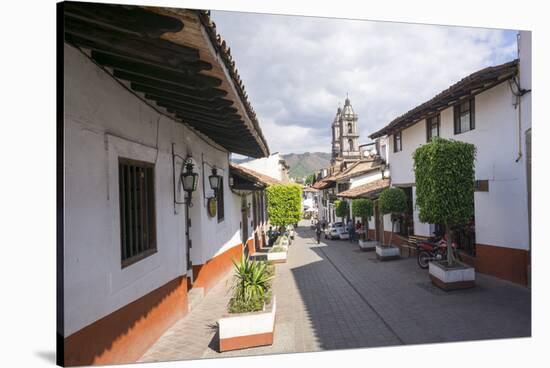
x: 433, y: 249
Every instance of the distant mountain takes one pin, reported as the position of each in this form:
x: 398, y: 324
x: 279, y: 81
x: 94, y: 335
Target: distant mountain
x: 241, y: 160
x: 303, y: 164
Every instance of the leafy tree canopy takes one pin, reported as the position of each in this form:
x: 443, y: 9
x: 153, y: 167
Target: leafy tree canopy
x: 310, y: 179
x: 341, y: 208
x: 392, y: 200
x: 284, y: 204
x: 362, y: 208
x: 445, y: 173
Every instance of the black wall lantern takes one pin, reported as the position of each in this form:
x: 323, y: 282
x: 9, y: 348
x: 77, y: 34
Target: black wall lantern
x: 214, y: 180
x: 189, y: 180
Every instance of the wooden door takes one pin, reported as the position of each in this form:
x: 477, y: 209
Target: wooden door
x: 244, y: 224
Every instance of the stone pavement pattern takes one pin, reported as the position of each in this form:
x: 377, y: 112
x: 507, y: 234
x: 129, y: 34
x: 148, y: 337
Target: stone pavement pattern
x: 333, y: 296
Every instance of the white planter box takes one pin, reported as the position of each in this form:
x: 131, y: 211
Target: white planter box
x: 367, y: 245
x: 387, y: 253
x: 276, y: 257
x: 246, y: 330
x: 461, y: 276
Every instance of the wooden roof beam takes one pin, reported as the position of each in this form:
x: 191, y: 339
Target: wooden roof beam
x: 187, y: 78
x: 93, y: 37
x: 129, y: 19
x: 217, y: 104
x: 211, y: 94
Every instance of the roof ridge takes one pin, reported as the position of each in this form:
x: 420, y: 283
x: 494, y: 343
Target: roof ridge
x: 444, y: 93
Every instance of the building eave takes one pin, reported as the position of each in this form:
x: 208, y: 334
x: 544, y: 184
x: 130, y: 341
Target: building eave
x: 170, y: 59
x: 469, y: 86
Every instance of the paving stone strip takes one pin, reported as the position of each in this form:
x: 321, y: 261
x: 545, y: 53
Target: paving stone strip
x: 362, y: 297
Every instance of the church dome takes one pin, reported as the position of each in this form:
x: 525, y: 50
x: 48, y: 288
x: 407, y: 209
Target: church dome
x: 348, y: 113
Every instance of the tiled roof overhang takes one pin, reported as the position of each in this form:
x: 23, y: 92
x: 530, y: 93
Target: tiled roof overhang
x: 245, y: 178
x: 368, y: 190
x: 173, y: 59
x: 472, y: 85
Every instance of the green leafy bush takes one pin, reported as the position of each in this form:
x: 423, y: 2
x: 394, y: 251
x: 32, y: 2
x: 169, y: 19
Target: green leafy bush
x: 362, y: 208
x: 445, y: 174
x: 280, y: 239
x: 392, y: 201
x: 284, y: 204
x: 341, y: 208
x: 251, y: 288
x: 310, y: 179
x: 277, y: 248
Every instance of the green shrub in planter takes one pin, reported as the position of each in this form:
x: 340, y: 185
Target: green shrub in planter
x: 362, y: 208
x: 252, y: 285
x: 444, y: 173
x: 284, y: 204
x: 341, y: 208
x: 394, y: 202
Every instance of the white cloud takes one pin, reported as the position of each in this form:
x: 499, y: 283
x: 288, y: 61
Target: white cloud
x: 297, y: 69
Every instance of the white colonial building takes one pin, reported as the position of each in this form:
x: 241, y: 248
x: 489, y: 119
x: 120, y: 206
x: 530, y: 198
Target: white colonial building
x: 491, y: 109
x: 151, y: 100
x: 273, y: 166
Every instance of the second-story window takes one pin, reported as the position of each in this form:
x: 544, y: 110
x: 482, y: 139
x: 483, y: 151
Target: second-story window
x: 397, y: 146
x: 464, y: 116
x: 432, y: 125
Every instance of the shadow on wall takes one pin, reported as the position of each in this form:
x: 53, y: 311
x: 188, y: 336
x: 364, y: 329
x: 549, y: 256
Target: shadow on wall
x: 124, y: 335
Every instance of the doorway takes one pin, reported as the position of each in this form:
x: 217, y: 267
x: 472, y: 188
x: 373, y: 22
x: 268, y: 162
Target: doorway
x: 244, y: 224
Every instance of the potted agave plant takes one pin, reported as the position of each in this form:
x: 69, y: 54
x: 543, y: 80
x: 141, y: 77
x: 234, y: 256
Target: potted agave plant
x: 250, y: 320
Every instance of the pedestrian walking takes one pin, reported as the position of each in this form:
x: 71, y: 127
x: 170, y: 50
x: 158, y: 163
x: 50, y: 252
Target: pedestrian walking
x: 351, y: 231
x: 318, y: 232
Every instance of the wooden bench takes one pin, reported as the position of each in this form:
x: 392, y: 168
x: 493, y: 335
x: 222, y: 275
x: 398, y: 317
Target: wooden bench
x: 412, y: 242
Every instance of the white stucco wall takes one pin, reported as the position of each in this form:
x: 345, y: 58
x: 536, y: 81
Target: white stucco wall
x: 269, y: 166
x: 102, y: 122
x: 501, y: 213
x: 365, y: 178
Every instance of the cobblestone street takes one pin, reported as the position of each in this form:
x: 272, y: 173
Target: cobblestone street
x: 333, y: 296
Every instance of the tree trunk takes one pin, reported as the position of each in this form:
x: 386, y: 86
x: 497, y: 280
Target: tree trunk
x: 450, y: 257
x: 391, y: 234
x: 366, y: 222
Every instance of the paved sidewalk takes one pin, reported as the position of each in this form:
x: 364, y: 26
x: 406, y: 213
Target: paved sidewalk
x: 333, y: 296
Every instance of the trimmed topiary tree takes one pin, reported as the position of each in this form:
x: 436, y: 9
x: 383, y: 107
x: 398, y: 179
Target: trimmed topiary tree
x: 284, y: 204
x: 341, y: 208
x: 392, y: 201
x: 362, y: 208
x: 445, y: 174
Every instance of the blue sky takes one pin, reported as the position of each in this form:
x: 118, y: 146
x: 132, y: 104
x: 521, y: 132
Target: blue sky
x: 297, y: 70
